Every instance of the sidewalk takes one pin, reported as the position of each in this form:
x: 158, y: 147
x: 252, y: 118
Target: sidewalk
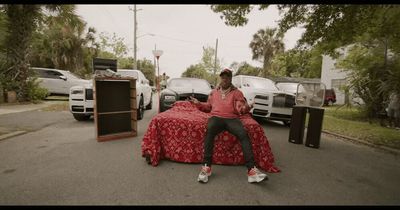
x: 16, y: 107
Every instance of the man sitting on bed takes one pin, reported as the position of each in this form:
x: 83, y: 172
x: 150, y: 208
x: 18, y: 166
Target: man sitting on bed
x: 226, y: 104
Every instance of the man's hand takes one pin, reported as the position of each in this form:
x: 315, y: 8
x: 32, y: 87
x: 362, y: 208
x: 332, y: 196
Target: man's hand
x: 193, y: 100
x: 252, y: 104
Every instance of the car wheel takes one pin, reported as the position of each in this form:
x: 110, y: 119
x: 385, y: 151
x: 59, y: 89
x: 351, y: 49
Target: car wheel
x: 161, y: 109
x: 81, y: 117
x: 140, y: 112
x: 150, y: 105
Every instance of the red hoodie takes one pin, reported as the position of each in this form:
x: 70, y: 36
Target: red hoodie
x: 229, y: 107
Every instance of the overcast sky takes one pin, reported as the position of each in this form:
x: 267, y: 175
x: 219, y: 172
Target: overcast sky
x: 181, y: 31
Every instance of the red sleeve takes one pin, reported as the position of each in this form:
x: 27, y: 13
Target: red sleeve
x: 241, y: 105
x: 206, y: 106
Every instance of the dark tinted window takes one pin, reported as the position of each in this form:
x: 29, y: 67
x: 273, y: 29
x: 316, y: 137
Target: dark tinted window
x: 47, y: 73
x: 53, y: 74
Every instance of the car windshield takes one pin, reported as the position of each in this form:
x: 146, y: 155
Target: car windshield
x: 188, y: 83
x: 261, y: 83
x: 128, y: 73
x: 290, y: 87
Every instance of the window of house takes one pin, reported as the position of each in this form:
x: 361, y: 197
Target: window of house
x: 337, y: 83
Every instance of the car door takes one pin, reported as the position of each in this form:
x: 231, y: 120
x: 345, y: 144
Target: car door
x: 146, y: 90
x: 49, y: 80
x: 58, y: 84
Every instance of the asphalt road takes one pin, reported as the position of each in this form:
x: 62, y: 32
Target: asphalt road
x: 59, y: 162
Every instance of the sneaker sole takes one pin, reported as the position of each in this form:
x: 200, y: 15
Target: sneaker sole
x: 202, y: 181
x: 254, y: 180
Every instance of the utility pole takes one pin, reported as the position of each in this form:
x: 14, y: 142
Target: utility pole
x: 155, y: 68
x: 134, y: 36
x: 215, y: 62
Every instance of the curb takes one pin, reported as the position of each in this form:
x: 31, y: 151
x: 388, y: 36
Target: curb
x: 387, y: 149
x: 12, y: 134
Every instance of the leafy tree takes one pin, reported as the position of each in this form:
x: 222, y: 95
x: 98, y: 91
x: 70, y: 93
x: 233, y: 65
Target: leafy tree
x: 61, y: 43
x: 235, y: 14
x: 114, y: 47
x: 265, y: 45
x: 298, y: 63
x: 331, y: 26
x: 247, y: 69
x: 195, y: 71
x: 23, y: 21
x: 3, y: 34
x: 369, y: 76
x: 208, y: 63
x: 147, y: 68
x: 206, y: 68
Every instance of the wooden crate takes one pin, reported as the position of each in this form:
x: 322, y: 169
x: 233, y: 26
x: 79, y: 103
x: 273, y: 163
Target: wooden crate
x: 115, y: 108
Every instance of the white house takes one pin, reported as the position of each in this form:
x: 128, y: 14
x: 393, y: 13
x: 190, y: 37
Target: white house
x: 334, y: 77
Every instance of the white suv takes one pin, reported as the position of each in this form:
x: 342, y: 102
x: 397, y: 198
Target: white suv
x: 81, y: 97
x: 57, y: 81
x: 269, y: 102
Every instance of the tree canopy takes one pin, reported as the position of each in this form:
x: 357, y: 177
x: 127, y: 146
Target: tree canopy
x: 331, y: 26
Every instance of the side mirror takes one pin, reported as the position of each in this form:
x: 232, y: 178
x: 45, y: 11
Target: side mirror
x: 63, y: 78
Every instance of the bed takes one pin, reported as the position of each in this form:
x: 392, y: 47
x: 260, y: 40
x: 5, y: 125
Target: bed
x: 178, y: 135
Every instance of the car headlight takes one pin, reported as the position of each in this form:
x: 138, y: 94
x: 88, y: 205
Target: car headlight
x: 77, y: 92
x: 169, y: 98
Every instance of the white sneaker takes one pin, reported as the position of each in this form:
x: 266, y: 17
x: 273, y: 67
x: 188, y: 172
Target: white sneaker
x: 255, y: 175
x: 204, y: 174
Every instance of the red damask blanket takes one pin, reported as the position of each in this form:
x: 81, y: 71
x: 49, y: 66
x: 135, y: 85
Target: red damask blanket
x: 178, y: 134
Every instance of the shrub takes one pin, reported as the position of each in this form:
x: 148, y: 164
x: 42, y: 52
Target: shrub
x: 35, y: 92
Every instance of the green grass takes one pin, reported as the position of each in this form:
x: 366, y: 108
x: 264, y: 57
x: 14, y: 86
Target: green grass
x: 352, y: 123
x: 63, y: 106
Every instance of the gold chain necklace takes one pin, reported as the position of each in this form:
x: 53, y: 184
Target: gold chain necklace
x: 225, y: 92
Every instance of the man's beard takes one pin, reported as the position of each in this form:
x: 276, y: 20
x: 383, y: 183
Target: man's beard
x: 224, y: 87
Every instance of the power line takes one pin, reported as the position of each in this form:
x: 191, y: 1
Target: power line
x: 181, y: 40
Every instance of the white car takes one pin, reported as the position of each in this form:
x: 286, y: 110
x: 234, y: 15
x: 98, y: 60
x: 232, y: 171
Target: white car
x: 81, y: 97
x: 269, y: 102
x: 57, y: 81
x: 289, y: 87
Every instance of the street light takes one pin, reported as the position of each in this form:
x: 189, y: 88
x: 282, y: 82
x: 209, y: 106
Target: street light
x: 157, y: 54
x: 135, y: 48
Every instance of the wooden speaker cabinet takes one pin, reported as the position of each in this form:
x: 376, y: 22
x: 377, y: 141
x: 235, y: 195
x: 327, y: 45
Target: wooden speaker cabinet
x: 115, y: 109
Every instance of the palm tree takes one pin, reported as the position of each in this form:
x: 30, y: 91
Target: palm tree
x: 23, y: 21
x: 265, y: 45
x: 65, y: 41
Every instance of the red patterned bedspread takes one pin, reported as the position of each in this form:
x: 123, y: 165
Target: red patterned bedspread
x: 178, y: 134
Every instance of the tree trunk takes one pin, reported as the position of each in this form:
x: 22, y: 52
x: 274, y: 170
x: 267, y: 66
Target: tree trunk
x: 21, y: 26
